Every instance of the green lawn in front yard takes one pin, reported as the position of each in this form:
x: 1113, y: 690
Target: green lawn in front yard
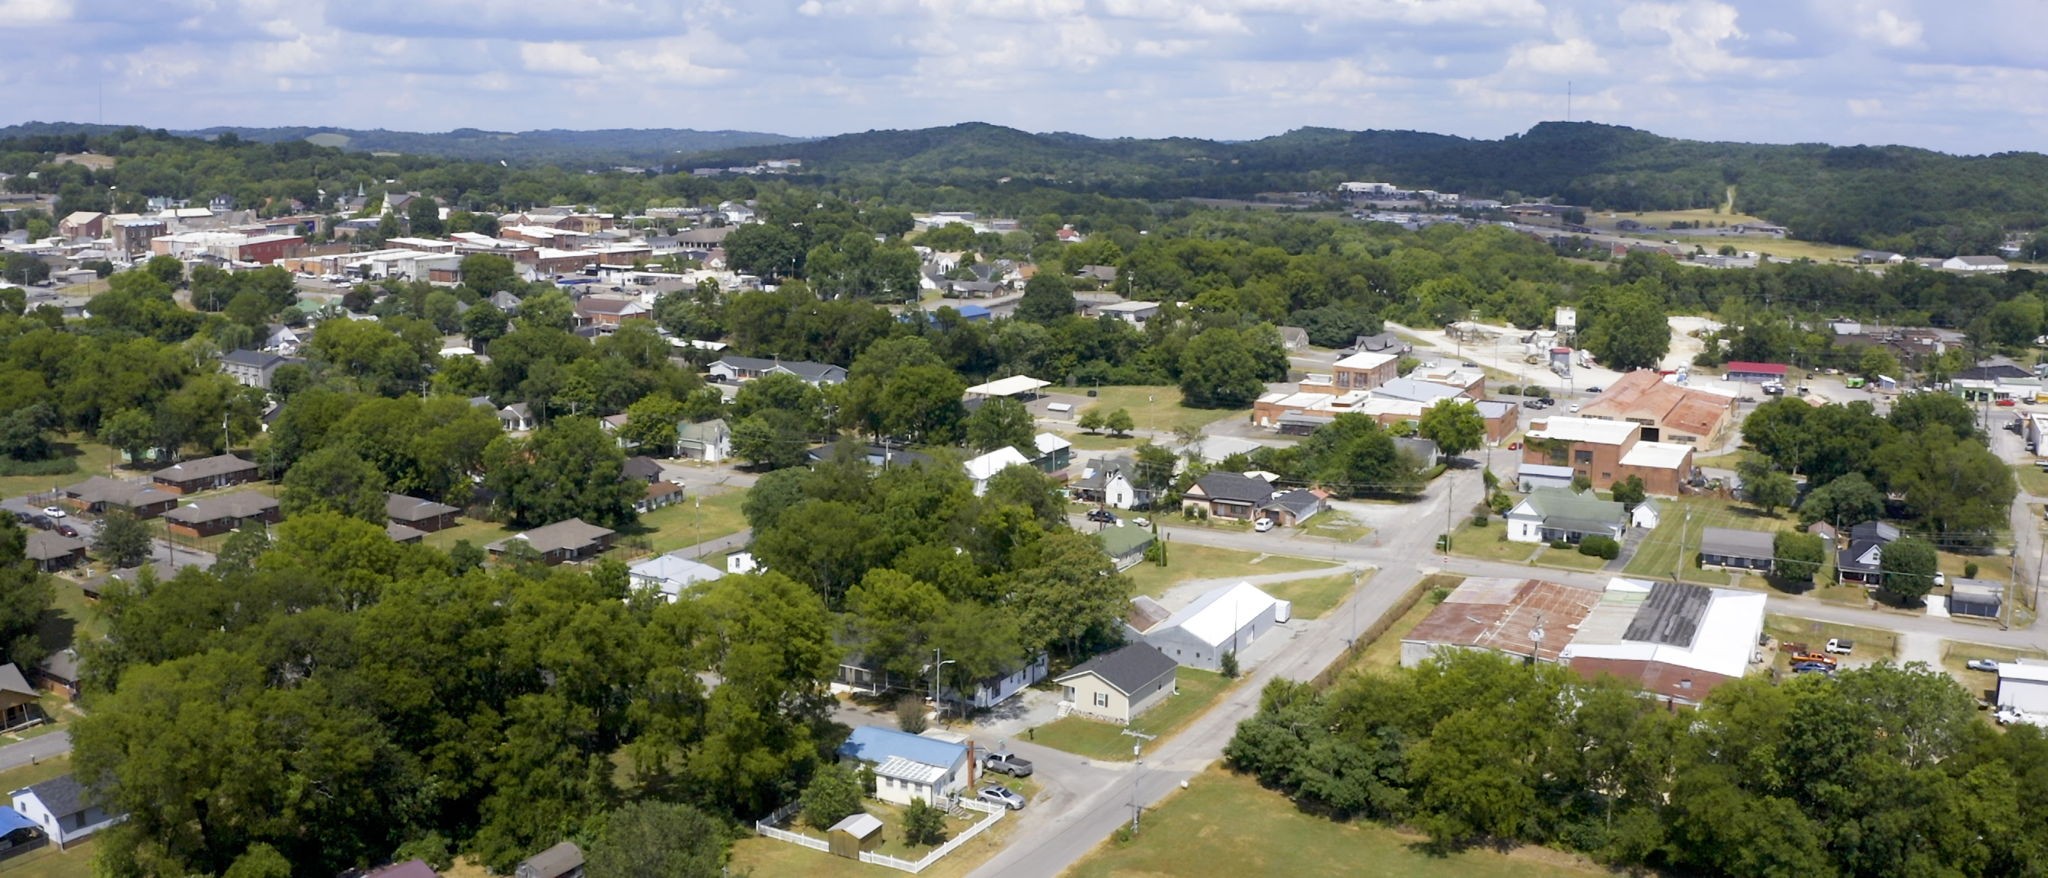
x: 1313, y: 597
x: 2033, y: 480
x: 1384, y: 653
x: 1156, y: 407
x: 686, y: 524
x: 49, y: 862
x: 1196, y: 691
x: 1872, y: 644
x: 1187, y: 561
x: 1101, y: 441
x: 1225, y: 825
x: 754, y: 855
x: 84, y: 616
x: 1956, y: 654
x: 1676, y: 541
x: 1569, y: 559
x: 478, y: 533
x: 1489, y: 543
x: 29, y: 775
x: 1335, y: 526
x: 1994, y: 567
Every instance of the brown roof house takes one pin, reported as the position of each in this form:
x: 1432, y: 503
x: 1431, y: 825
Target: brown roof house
x: 572, y: 540
x: 206, y: 473
x: 54, y: 551
x: 100, y: 494
x: 425, y: 516
x: 217, y: 515
x: 17, y: 698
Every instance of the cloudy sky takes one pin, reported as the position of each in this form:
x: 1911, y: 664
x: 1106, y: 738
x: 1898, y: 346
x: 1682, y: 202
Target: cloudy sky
x: 1960, y: 75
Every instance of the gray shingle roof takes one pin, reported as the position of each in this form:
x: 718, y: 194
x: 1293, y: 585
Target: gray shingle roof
x: 1737, y: 543
x: 204, y: 468
x: 1128, y: 669
x: 399, y: 507
x: 560, y: 536
x: 63, y: 796
x: 1234, y: 487
x: 240, y: 504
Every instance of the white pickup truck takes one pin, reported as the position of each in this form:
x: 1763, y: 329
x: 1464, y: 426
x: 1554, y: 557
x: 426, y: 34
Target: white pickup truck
x: 2008, y: 715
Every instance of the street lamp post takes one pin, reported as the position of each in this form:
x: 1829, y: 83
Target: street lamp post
x: 937, y: 668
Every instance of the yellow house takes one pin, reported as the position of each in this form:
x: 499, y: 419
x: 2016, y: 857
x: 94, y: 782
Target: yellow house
x: 1119, y: 686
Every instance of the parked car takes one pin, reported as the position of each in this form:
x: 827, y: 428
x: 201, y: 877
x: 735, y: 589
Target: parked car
x: 1575, y: 407
x: 1595, y: 389
x: 67, y: 530
x: 1811, y: 656
x: 1008, y: 763
x: 1840, y: 646
x: 41, y: 522
x: 1812, y: 668
x: 997, y: 794
x: 54, y: 511
x: 1532, y: 403
x: 1141, y: 522
x: 1102, y: 515
x: 1263, y: 525
x: 2008, y: 402
x: 1989, y: 665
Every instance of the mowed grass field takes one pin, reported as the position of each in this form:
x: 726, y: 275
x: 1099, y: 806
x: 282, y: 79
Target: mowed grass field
x: 1677, y: 539
x: 1156, y: 407
x: 1186, y: 562
x: 1226, y: 826
x: 1196, y: 691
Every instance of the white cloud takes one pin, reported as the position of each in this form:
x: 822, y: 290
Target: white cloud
x: 16, y: 13
x: 1575, y: 56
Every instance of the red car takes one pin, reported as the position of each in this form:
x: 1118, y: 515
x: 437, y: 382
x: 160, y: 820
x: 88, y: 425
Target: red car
x: 2008, y: 401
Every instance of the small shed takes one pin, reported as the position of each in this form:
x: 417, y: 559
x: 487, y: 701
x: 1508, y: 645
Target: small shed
x: 860, y: 832
x: 1646, y: 515
x: 1977, y: 598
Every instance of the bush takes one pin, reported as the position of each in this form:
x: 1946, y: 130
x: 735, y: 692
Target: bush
x: 1560, y: 544
x: 1600, y: 547
x: 1479, y: 519
x: 1229, y: 664
x: 833, y: 795
x: 1508, y: 390
x: 1969, y: 570
x: 923, y: 824
x: 1438, y: 594
x: 55, y: 466
x: 1501, y: 502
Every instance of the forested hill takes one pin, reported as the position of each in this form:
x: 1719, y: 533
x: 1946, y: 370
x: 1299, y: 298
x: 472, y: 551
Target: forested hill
x: 1866, y: 196
x: 600, y: 148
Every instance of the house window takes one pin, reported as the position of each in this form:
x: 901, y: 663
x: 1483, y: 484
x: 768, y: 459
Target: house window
x: 1584, y: 458
x: 1101, y: 699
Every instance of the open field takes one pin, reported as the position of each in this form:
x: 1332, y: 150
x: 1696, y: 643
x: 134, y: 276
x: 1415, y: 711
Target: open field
x: 2033, y: 480
x: 1100, y: 441
x: 1871, y: 643
x: 1784, y: 248
x: 1312, y: 597
x: 478, y: 533
x: 1335, y: 526
x: 1956, y: 654
x: 1186, y: 561
x: 1489, y: 543
x: 91, y: 458
x: 1198, y: 690
x: 1384, y: 653
x: 686, y: 524
x: 1677, y: 537
x: 1225, y: 825
x: 1663, y: 219
x: 1156, y: 407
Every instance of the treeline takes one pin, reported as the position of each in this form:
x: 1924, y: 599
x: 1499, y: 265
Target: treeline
x: 337, y: 700
x: 1879, y: 771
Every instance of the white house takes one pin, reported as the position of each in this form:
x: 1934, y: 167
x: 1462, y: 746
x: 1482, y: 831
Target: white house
x: 64, y: 809
x: 710, y: 441
x: 1227, y: 619
x: 1548, y: 515
x: 909, y: 767
x: 1104, y: 481
x: 983, y: 468
x: 991, y: 691
x: 2024, y: 686
x: 670, y: 574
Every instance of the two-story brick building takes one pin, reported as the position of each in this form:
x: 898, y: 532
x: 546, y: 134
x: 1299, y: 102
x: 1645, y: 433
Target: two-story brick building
x: 1605, y: 452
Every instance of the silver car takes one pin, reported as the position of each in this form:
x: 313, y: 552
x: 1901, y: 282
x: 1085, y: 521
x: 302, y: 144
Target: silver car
x: 997, y: 794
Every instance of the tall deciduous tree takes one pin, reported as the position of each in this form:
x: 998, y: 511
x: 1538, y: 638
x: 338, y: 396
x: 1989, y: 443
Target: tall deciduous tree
x: 566, y: 469
x: 123, y: 539
x: 24, y: 595
x: 1220, y: 369
x: 1048, y: 297
x: 1908, y: 565
x: 1454, y: 425
x: 1626, y: 329
x: 334, y: 480
x: 659, y: 838
x: 1000, y: 423
x: 1799, y: 556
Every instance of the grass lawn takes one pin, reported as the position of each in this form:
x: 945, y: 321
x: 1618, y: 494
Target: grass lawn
x: 685, y: 524
x: 1489, y: 543
x: 91, y: 458
x: 1187, y: 561
x: 82, y: 614
x: 1336, y: 526
x: 1997, y: 568
x: 1384, y: 653
x: 1312, y: 597
x: 1225, y: 825
x: 1106, y: 741
x: 49, y: 862
x: 1677, y: 538
x: 1156, y: 407
x: 2032, y: 478
x: 28, y: 775
x: 1784, y: 248
x: 1850, y: 595
x: 478, y: 533
x: 1956, y: 654
x: 1871, y: 643
x: 1101, y: 441
x: 1731, y: 460
x: 1569, y: 559
x: 755, y: 855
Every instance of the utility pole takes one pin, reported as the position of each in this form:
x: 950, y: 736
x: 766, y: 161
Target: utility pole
x: 1138, y: 757
x: 938, y: 706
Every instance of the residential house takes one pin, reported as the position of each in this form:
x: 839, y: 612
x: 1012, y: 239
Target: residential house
x: 99, y: 495
x: 1519, y: 618
x: 671, y: 574
x: 735, y: 370
x: 403, y: 535
x: 1125, y: 544
x: 1605, y: 452
x: 659, y: 494
x: 909, y: 767
x: 1667, y: 411
x: 407, y: 869
x: 1293, y: 508
x: 1550, y: 515
x: 52, y: 551
x: 204, y: 474
x: 641, y: 468
x: 64, y: 808
x: 1107, y: 480
x: 1382, y: 343
x: 516, y: 418
x: 283, y: 340
x: 1293, y: 338
x: 425, y: 516
x: 985, y: 467
x: 208, y: 516
x: 709, y: 441
x: 1228, y: 495
x: 1099, y: 274
x: 605, y: 312
x: 564, y: 860
x: 563, y: 541
x: 59, y: 672
x: 1738, y: 549
x: 17, y: 699
x: 1224, y: 620
x: 1001, y: 686
x: 251, y: 368
x: 1119, y: 686
x: 1862, y: 561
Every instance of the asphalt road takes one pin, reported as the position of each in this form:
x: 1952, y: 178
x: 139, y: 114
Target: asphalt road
x: 35, y: 750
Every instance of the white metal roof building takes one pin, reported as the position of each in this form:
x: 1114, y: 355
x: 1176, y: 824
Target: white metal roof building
x: 1227, y: 619
x: 2023, y: 685
x: 1678, y: 641
x: 1015, y: 385
x: 983, y: 468
x: 1584, y: 430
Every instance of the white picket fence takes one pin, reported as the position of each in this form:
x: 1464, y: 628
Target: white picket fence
x: 993, y: 813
